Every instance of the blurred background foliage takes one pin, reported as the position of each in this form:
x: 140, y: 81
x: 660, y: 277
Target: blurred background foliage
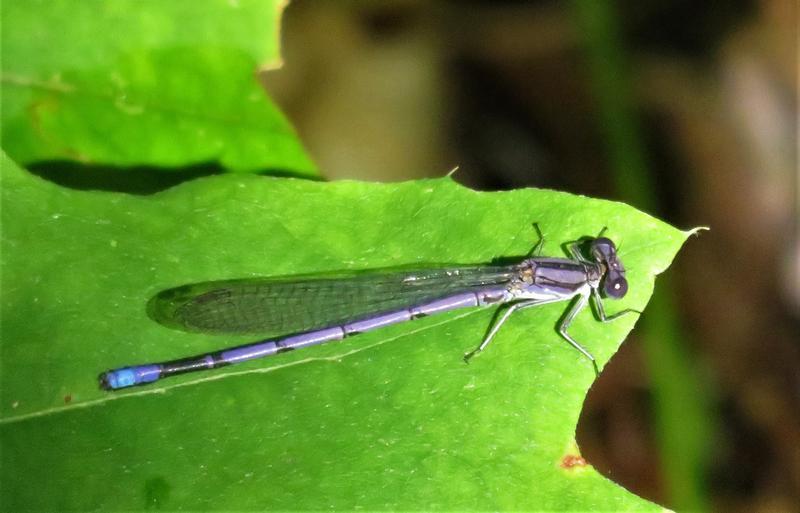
x: 685, y: 109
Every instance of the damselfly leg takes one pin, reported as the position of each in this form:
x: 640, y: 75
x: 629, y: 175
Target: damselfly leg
x: 536, y: 250
x: 500, y: 321
x: 598, y: 303
x: 577, y: 306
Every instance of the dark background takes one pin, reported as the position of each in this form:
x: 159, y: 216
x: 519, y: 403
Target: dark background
x: 687, y: 110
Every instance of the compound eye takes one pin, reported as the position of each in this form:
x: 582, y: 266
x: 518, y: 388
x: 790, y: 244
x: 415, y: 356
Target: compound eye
x: 603, y: 248
x: 604, y: 241
x: 615, y: 286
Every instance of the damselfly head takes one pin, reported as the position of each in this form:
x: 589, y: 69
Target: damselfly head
x: 603, y: 249
x: 614, y: 283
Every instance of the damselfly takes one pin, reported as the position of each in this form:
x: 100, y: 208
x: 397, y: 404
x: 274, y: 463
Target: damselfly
x: 323, y: 309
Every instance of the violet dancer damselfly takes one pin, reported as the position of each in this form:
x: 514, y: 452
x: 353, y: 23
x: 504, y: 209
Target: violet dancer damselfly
x: 328, y: 308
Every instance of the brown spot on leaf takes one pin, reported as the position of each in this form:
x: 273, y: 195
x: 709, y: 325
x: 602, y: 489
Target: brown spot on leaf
x: 572, y: 461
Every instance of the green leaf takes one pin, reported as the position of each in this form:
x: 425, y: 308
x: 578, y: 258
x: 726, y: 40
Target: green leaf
x: 144, y: 83
x: 390, y: 419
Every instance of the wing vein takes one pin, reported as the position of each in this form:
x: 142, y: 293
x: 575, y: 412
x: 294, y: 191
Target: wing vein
x: 282, y: 305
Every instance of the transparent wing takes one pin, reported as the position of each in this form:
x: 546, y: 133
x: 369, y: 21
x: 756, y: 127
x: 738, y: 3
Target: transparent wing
x: 275, y: 306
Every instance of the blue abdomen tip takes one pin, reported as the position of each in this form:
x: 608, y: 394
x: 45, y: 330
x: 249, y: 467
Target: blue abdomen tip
x: 129, y: 376
x: 120, y: 378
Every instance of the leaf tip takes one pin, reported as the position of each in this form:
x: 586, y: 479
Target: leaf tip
x: 696, y: 230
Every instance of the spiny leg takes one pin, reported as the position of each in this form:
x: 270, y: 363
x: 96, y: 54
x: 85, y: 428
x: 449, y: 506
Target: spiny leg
x: 488, y: 338
x: 575, y: 251
x: 598, y: 302
x: 562, y: 329
x: 537, y: 248
x: 496, y: 326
